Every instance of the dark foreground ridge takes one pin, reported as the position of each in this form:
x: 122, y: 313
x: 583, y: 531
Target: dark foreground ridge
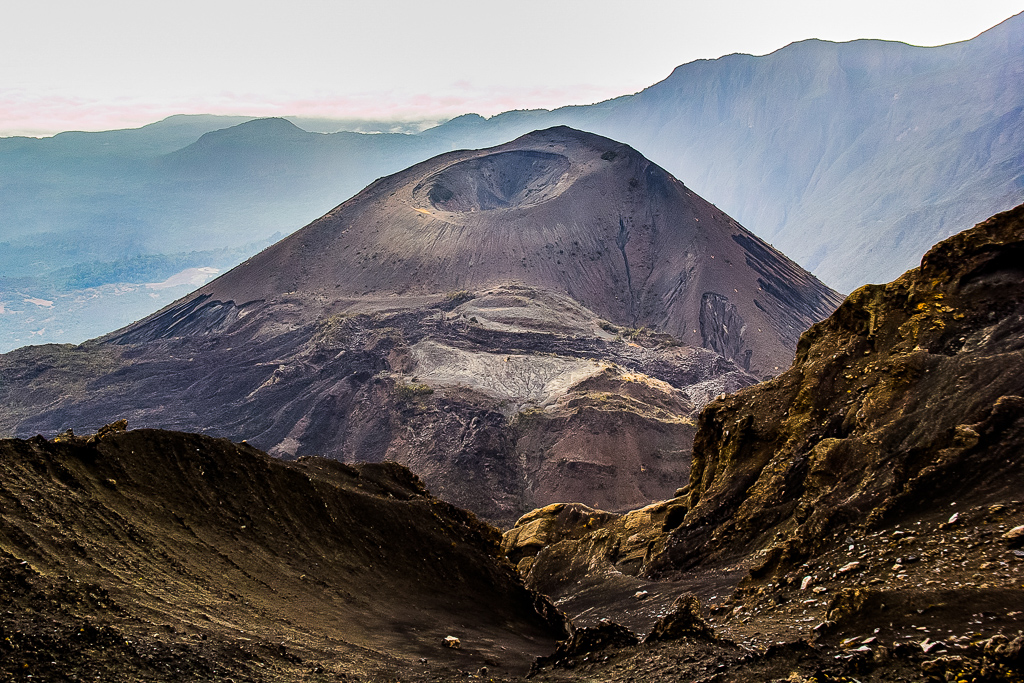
x: 162, y: 556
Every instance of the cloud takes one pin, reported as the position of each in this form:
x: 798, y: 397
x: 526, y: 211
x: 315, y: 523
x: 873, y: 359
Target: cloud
x: 70, y: 65
x: 189, y: 276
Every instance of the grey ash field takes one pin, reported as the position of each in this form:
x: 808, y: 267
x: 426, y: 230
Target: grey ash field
x: 854, y: 517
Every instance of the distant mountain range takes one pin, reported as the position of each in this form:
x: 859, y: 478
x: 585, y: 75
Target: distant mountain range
x: 88, y: 220
x: 852, y: 158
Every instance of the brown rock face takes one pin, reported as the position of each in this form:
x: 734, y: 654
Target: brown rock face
x: 909, y: 397
x: 591, y: 561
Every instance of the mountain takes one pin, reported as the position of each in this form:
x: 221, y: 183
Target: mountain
x: 559, y: 210
x: 187, y: 182
x: 858, y: 515
x: 852, y: 158
x: 855, y: 518
x: 152, y: 555
x: 519, y: 325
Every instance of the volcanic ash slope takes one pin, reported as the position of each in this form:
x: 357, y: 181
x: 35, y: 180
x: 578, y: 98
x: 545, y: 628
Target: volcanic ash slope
x: 559, y: 210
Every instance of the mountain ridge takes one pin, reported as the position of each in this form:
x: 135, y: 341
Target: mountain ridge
x: 530, y: 234
x: 890, y: 149
x: 183, y: 557
x: 507, y: 322
x: 721, y: 125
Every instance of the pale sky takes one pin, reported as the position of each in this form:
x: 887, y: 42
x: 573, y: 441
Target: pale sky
x: 102, y: 64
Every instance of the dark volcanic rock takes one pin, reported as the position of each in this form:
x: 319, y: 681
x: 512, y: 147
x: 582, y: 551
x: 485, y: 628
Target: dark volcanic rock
x: 682, y: 621
x: 140, y: 553
x: 586, y: 641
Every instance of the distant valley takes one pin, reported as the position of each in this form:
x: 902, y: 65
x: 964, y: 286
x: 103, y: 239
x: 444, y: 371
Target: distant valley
x: 90, y: 219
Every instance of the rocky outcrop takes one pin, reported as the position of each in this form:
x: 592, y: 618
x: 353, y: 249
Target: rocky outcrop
x: 585, y: 642
x: 566, y: 540
x: 909, y: 397
x: 591, y: 562
x: 549, y: 525
x: 683, y: 620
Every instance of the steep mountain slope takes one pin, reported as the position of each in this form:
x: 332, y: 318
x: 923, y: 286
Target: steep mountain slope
x: 867, y: 500
x: 559, y: 210
x: 152, y: 555
x: 477, y: 317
